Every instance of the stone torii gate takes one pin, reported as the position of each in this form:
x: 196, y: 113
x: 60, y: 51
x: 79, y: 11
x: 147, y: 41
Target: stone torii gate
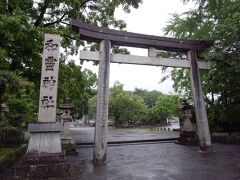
x: 106, y: 38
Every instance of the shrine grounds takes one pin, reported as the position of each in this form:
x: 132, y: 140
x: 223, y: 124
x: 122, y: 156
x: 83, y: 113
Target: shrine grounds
x: 161, y: 161
x: 151, y: 161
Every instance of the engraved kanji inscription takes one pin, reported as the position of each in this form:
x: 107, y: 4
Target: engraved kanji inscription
x: 48, y: 82
x: 47, y: 102
x: 50, y: 45
x: 50, y: 63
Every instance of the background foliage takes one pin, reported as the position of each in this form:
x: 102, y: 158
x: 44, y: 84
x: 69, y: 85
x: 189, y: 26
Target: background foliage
x: 22, y: 27
x: 217, y: 20
x: 140, y: 107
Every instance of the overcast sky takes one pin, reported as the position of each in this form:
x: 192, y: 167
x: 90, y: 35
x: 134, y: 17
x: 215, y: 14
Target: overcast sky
x: 150, y: 18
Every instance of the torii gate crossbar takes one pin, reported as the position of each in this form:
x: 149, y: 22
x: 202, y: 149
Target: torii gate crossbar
x: 107, y: 38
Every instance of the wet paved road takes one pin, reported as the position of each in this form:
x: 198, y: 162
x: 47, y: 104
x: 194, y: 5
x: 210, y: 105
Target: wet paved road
x: 159, y: 161
x: 86, y: 134
x: 165, y: 161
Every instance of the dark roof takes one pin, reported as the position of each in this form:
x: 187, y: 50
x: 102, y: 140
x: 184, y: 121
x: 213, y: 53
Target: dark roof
x: 66, y: 106
x: 94, y: 33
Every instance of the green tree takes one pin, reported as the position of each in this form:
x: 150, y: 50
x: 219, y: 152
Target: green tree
x: 166, y: 107
x: 150, y: 97
x: 21, y: 49
x: 124, y: 106
x: 92, y: 107
x: 76, y: 84
x: 219, y: 21
x: 20, y: 96
x: 113, y: 108
x: 22, y: 27
x: 116, y: 89
x: 127, y: 106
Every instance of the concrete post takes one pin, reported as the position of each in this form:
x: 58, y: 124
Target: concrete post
x: 100, y: 136
x: 200, y: 110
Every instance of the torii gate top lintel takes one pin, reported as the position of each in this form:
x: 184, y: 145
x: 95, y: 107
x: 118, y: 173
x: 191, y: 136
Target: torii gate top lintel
x: 94, y: 33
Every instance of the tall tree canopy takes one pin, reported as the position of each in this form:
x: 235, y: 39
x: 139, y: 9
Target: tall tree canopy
x: 23, y: 23
x: 22, y: 27
x: 217, y: 20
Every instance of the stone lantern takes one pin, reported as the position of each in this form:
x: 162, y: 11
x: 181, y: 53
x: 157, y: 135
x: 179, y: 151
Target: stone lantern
x: 66, y: 108
x: 188, y: 135
x: 66, y: 116
x: 67, y: 141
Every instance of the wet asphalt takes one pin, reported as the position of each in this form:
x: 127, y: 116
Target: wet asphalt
x: 151, y: 161
x: 162, y: 161
x: 86, y: 134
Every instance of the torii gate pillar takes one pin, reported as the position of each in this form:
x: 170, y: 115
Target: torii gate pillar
x: 200, y: 110
x: 100, y: 137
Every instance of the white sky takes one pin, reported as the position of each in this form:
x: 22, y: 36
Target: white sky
x: 150, y: 18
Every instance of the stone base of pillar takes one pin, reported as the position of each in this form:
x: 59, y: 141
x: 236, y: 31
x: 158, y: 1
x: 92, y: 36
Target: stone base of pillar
x: 188, y: 138
x: 44, y: 157
x: 44, y: 139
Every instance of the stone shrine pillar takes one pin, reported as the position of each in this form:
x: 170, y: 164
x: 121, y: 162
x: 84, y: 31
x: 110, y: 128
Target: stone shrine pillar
x: 45, y: 134
x: 45, y: 158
